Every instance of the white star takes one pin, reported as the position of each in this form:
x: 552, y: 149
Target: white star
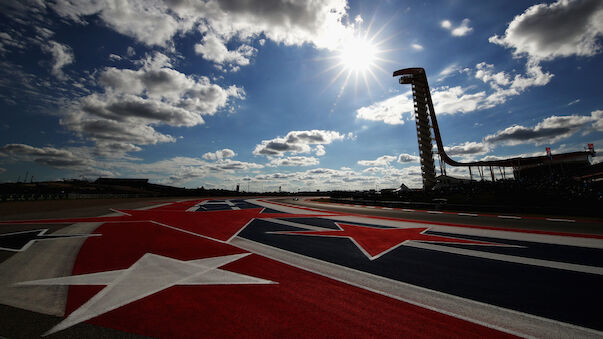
x: 150, y: 274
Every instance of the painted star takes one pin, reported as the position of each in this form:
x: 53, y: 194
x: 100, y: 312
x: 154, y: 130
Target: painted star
x: 21, y: 241
x: 150, y: 274
x: 375, y: 242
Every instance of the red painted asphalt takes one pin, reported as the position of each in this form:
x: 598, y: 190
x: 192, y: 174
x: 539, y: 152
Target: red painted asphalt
x: 302, y: 304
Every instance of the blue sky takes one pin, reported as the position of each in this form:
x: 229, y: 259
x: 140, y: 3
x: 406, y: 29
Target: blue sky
x: 297, y: 94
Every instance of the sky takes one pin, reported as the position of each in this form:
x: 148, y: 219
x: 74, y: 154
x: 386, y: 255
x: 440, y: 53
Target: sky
x: 291, y: 94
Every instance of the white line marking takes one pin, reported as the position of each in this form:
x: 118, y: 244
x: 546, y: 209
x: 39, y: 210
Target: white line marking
x: 115, y: 211
x: 435, y: 212
x: 562, y: 220
x: 407, y: 210
x: 506, y: 320
x: 298, y: 225
x: 468, y: 214
x: 498, y: 318
x: 242, y: 228
x: 508, y: 258
x: 370, y: 206
x: 387, y: 208
x: 509, y: 217
x: 42, y: 232
x: 189, y: 232
x: 492, y: 233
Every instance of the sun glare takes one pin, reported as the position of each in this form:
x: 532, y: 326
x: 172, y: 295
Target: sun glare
x: 358, y: 59
x: 358, y: 55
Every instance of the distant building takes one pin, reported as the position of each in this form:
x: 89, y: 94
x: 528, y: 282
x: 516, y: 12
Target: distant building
x: 122, y: 182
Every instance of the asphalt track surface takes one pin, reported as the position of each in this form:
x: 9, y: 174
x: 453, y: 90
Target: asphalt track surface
x: 289, y: 268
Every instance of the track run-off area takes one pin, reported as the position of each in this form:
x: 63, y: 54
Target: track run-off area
x: 278, y: 267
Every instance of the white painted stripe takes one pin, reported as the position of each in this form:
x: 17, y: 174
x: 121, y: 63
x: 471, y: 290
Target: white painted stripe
x: 435, y: 212
x: 387, y: 208
x: 286, y: 209
x: 509, y: 217
x: 468, y: 214
x: 370, y: 206
x: 508, y: 258
x: 504, y: 234
x: 562, y: 220
x: 295, y: 224
x: 407, y: 210
x: 188, y: 232
x: 506, y: 320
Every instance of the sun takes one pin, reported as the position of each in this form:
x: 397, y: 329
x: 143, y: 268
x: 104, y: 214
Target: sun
x: 358, y: 55
x: 357, y: 60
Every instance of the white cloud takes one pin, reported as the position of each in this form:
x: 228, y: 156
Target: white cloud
x: 296, y: 142
x: 62, y: 55
x: 11, y: 41
x: 44, y: 155
x: 114, y: 57
x: 373, y: 170
x: 485, y: 73
x: 214, y: 49
x: 458, y: 99
x: 563, y: 28
x: 404, y: 158
x: 327, y: 178
x: 293, y: 161
x: 504, y: 85
x: 452, y: 100
x: 573, y: 102
x: 219, y: 154
x: 232, y: 165
x: 460, y: 30
x: 155, y: 23
x: 448, y: 70
x: 463, y: 29
x: 468, y: 148
x: 417, y: 47
x: 550, y: 130
x: 319, y: 150
x: 390, y: 111
x: 158, y: 81
x: 134, y: 101
x: 147, y: 22
x: 383, y: 160
x: 74, y: 159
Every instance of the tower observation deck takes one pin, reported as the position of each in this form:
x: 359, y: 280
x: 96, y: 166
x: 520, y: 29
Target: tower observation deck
x: 427, y: 122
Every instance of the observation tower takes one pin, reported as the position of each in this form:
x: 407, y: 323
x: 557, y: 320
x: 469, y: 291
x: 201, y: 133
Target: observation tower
x: 427, y: 122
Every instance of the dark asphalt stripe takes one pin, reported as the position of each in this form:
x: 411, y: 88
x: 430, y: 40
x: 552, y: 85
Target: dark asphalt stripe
x: 270, y: 210
x: 328, y: 223
x: 566, y: 296
x: 562, y: 253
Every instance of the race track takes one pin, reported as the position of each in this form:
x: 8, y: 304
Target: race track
x: 296, y: 268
